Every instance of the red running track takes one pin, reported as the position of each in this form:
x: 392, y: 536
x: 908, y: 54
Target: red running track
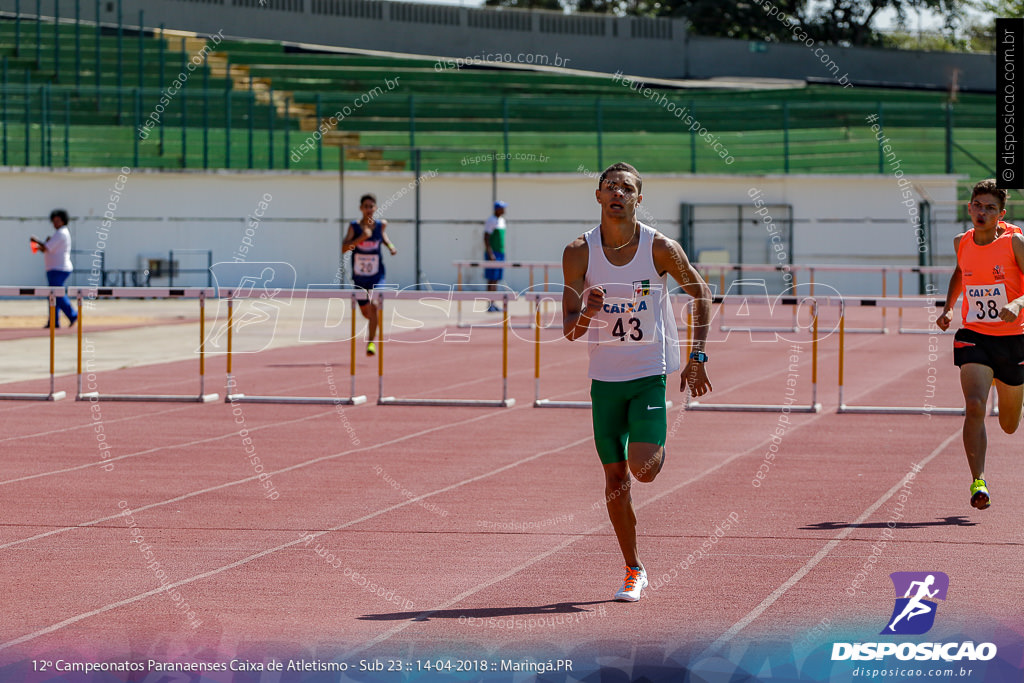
x: 485, y: 529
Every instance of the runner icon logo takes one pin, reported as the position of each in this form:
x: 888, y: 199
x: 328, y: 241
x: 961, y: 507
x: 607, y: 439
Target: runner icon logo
x: 917, y: 594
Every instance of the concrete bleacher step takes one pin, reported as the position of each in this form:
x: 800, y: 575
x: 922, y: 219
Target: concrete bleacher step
x: 364, y: 154
x: 262, y: 88
x: 340, y: 137
x: 385, y: 165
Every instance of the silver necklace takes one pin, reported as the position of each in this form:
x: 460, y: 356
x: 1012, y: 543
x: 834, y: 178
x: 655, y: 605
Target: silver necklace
x: 623, y: 246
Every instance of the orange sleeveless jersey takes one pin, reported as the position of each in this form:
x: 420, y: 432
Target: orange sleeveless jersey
x: 991, y: 279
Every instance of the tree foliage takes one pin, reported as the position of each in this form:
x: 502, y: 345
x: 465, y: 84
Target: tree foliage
x: 843, y: 22
x: 525, y: 4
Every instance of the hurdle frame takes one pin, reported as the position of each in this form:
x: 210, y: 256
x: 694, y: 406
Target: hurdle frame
x: 739, y: 268
x: 146, y: 293
x: 51, y: 295
x: 923, y: 302
x: 538, y: 402
x: 529, y: 265
x: 503, y: 402
x: 350, y: 400
x: 814, y: 406
x: 923, y: 270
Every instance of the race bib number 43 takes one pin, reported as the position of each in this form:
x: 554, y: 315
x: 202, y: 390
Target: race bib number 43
x: 984, y: 302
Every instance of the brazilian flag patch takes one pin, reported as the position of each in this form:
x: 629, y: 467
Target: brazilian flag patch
x: 641, y: 288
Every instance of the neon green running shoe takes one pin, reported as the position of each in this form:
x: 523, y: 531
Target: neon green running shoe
x: 979, y: 494
x: 371, y: 349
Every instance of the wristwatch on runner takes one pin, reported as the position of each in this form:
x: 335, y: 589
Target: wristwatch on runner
x: 699, y: 356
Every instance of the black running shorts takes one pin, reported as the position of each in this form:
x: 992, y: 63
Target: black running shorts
x: 1004, y: 354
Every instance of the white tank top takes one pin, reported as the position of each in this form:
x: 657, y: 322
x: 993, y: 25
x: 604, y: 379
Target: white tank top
x: 634, y: 335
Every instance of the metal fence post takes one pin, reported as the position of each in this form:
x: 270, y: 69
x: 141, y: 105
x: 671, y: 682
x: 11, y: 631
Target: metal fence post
x: 252, y: 123
x: 599, y: 107
x: 39, y: 36
x: 78, y: 43
x: 138, y: 127
x: 287, y: 129
x: 949, y: 137
x: 142, y: 48
x: 42, y: 124
x: 28, y: 116
x: 227, y: 120
x: 881, y: 128
x: 206, y: 107
x: 320, y: 138
x: 163, y: 50
x: 17, y: 28
x: 120, y: 58
x: 693, y: 139
x: 97, y: 51
x: 270, y: 130
x: 184, y: 126
x: 3, y: 108
x: 785, y: 137
x: 56, y: 41
x: 504, y: 116
x: 67, y: 130
x: 49, y: 125
x: 412, y: 121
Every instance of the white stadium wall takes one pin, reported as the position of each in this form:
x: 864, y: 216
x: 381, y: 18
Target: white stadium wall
x: 837, y: 219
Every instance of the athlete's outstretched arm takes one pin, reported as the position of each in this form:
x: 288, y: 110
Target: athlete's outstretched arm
x: 352, y: 239
x: 1012, y: 309
x: 384, y: 238
x: 956, y: 285
x: 575, y: 316
x: 670, y: 258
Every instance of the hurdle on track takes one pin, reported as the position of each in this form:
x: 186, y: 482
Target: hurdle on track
x: 923, y: 270
x: 539, y: 402
x: 919, y: 302
x: 147, y: 293
x: 51, y: 293
x: 530, y: 265
x: 796, y: 303
x: 882, y: 270
x: 503, y: 402
x: 740, y: 267
x: 350, y: 400
x: 538, y: 299
x: 812, y: 270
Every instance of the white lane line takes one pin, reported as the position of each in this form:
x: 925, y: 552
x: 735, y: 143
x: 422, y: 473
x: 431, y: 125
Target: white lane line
x: 142, y: 596
x: 90, y: 423
x: 98, y: 463
x: 820, y: 555
x: 569, y: 541
x: 184, y: 444
x: 402, y: 627
x: 229, y: 484
x: 397, y: 629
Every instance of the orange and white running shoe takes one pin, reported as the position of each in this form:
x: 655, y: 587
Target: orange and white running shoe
x: 636, y: 581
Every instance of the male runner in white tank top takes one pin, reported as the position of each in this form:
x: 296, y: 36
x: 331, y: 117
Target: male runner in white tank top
x: 616, y: 293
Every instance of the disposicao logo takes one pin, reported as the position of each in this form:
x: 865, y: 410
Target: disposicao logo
x: 914, y: 612
x: 917, y: 596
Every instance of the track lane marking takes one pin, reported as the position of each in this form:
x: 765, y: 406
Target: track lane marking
x: 821, y: 554
x: 213, y: 572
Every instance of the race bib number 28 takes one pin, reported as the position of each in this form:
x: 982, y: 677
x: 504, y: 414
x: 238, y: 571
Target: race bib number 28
x: 985, y: 302
x: 366, y: 264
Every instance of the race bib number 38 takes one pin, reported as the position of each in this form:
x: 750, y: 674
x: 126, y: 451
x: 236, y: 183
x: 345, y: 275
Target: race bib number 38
x: 984, y: 302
